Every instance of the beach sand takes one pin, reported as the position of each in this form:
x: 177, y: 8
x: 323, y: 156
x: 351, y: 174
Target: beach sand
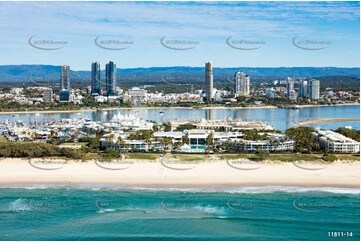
x: 162, y: 173
x: 326, y: 120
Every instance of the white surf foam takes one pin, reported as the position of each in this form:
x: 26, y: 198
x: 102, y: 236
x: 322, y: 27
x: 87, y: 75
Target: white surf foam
x: 239, y: 189
x: 19, y: 205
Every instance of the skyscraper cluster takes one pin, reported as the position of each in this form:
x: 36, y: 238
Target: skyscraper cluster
x: 242, y: 83
x: 110, y: 79
x: 310, y: 89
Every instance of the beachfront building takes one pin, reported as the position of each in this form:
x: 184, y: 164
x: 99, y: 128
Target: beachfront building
x: 274, y: 143
x: 252, y: 146
x: 223, y: 125
x: 197, y: 141
x: 337, y: 143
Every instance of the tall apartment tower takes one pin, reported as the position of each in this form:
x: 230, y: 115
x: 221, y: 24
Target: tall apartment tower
x: 314, y: 89
x: 242, y: 83
x: 96, y: 85
x: 111, y: 78
x: 65, y: 78
x: 291, y: 94
x: 303, y: 90
x: 209, y: 81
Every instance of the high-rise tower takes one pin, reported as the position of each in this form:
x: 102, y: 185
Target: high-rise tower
x: 242, y: 83
x: 314, y: 89
x: 291, y: 94
x: 65, y: 78
x: 111, y: 78
x: 96, y: 85
x: 209, y: 81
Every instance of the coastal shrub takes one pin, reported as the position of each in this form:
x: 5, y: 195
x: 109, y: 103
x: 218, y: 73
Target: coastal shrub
x: 84, y: 139
x: 261, y: 154
x: 71, y: 153
x: 329, y: 157
x: 37, y: 150
x: 353, y: 134
x: 13, y: 149
x: 304, y: 140
x: 111, y: 153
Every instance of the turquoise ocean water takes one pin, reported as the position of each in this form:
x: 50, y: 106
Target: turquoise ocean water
x: 96, y: 212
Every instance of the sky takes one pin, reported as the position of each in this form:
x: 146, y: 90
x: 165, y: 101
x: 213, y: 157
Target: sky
x: 143, y: 34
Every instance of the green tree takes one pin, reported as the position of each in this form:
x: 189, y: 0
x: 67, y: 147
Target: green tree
x: 185, y: 139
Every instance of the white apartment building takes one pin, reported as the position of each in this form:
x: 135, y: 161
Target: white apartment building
x: 337, y: 143
x: 242, y: 83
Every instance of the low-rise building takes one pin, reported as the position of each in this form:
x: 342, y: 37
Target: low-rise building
x: 336, y: 143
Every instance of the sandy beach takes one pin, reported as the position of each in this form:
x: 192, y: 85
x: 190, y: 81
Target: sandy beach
x: 162, y: 173
x: 326, y: 120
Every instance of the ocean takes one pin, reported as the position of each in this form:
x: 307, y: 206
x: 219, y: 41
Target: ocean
x: 110, y: 212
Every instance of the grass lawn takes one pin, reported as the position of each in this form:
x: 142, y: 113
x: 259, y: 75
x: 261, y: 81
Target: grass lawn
x: 73, y: 144
x: 235, y: 156
x: 3, y: 139
x: 348, y: 156
x: 142, y: 156
x: 188, y: 157
x: 275, y: 157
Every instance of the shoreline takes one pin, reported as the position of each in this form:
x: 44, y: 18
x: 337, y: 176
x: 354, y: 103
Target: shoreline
x: 218, y: 187
x: 165, y: 108
x: 156, y: 174
x: 326, y: 120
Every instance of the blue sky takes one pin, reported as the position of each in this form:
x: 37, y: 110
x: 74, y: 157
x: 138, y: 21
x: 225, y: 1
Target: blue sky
x: 207, y: 24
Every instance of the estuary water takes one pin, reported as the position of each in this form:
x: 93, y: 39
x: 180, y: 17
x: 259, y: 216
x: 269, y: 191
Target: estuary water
x: 120, y: 213
x: 280, y: 118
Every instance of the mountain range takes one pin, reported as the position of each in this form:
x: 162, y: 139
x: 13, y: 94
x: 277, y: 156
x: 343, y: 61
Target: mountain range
x: 26, y: 73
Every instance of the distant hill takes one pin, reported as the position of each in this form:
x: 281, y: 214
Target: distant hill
x: 26, y: 73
